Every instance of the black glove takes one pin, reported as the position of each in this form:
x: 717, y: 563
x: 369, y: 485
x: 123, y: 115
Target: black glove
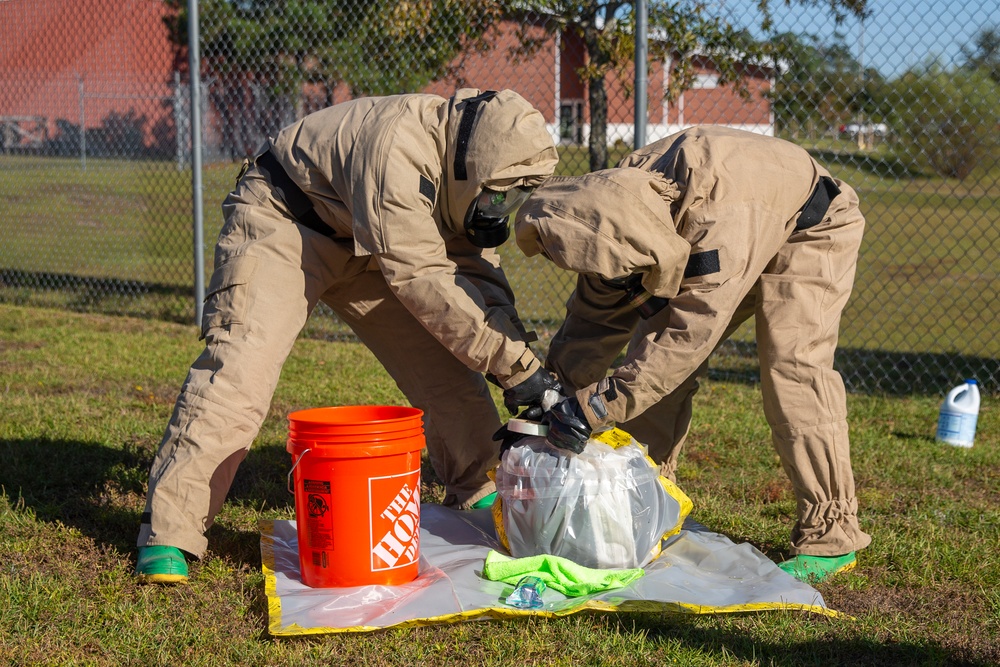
x: 529, y: 394
x: 568, y: 427
x: 507, y: 439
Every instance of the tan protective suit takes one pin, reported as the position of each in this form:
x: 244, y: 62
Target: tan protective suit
x: 708, y: 217
x: 386, y: 176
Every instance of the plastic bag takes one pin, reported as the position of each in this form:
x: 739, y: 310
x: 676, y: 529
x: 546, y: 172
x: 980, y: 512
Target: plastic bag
x: 607, y: 507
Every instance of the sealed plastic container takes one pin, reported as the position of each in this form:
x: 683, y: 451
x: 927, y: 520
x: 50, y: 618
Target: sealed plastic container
x: 959, y: 414
x: 607, y: 507
x: 357, y: 493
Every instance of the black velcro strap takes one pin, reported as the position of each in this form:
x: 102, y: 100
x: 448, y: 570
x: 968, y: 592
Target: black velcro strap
x: 702, y: 264
x: 296, y: 200
x: 597, y: 405
x: 146, y: 517
x: 427, y: 189
x: 611, y: 394
x: 243, y: 171
x: 819, y: 203
x: 465, y: 131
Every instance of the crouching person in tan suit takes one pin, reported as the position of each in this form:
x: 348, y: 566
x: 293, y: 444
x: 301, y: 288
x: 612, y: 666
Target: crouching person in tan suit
x: 688, y: 238
x: 388, y: 210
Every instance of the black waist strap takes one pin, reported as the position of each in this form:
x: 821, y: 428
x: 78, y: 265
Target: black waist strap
x: 819, y: 203
x: 296, y: 200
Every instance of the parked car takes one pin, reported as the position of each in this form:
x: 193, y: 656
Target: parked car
x: 852, y: 130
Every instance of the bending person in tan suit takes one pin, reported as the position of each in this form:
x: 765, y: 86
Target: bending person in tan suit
x: 388, y: 210
x: 688, y: 238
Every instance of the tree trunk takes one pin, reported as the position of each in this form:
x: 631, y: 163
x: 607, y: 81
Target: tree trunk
x: 597, y: 99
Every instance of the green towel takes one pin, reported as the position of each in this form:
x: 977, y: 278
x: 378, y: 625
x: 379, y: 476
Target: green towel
x: 561, y: 574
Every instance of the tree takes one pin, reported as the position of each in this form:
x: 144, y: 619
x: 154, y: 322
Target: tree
x: 986, y: 54
x: 257, y: 54
x: 812, y: 81
x: 681, y: 29
x: 946, y: 120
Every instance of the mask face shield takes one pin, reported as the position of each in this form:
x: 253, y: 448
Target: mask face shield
x: 488, y: 217
x: 636, y: 295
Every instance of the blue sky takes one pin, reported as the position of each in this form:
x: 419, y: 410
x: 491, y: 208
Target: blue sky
x: 897, y: 35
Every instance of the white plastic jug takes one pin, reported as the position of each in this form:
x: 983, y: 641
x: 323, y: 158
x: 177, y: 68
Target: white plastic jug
x: 959, y: 413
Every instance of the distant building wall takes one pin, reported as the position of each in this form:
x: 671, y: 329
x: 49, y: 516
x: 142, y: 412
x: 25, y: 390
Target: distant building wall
x: 97, y: 64
x: 109, y: 67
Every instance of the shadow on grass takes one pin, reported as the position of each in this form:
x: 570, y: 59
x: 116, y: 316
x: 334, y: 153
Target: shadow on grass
x: 864, y: 370
x: 857, y: 652
x: 110, y: 296
x: 100, y: 490
x: 873, y: 371
x: 884, y: 165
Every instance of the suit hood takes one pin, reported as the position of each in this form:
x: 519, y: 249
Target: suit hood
x: 494, y: 139
x: 610, y: 224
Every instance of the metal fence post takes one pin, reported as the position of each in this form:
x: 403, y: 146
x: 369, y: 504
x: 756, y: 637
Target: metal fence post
x: 641, y: 76
x: 194, y: 63
x: 83, y: 126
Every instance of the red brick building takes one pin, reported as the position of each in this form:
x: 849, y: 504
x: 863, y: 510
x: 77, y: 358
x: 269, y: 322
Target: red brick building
x: 106, y: 65
x: 109, y: 66
x: 550, y: 81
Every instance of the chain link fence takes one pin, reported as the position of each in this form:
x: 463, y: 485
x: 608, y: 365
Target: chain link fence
x: 95, y: 149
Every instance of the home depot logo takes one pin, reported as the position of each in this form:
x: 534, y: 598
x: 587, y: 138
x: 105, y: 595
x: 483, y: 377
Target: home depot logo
x: 395, y: 531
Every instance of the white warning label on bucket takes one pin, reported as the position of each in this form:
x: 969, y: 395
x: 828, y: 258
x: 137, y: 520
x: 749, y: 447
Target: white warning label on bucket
x: 395, y: 520
x: 319, y: 518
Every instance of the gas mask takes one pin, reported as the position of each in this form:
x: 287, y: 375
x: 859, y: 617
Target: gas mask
x: 486, y: 222
x: 636, y: 295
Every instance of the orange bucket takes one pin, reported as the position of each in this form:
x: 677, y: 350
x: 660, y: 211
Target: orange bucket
x: 356, y: 482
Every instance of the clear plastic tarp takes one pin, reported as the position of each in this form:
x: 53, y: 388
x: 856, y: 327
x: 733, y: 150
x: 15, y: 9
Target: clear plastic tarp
x: 697, y: 572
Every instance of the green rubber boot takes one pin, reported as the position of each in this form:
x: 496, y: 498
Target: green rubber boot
x: 161, y: 565
x: 483, y: 503
x: 814, y: 569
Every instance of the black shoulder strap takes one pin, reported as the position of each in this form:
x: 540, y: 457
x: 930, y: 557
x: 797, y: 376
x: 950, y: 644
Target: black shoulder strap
x: 469, y: 109
x: 815, y: 209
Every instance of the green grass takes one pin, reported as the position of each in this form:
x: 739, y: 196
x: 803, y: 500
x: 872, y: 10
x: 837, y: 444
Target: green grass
x: 85, y: 399
x: 926, y: 290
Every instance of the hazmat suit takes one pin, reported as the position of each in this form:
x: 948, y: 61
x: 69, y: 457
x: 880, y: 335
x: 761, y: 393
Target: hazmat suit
x: 688, y: 238
x: 364, y: 206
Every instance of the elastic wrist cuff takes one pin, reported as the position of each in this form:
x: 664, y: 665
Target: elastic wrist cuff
x: 522, y: 369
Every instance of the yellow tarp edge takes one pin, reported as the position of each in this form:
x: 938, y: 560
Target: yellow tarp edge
x: 502, y: 613
x: 270, y: 581
x: 276, y: 628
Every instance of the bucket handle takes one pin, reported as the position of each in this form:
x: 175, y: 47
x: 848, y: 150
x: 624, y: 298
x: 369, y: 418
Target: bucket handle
x: 297, y: 461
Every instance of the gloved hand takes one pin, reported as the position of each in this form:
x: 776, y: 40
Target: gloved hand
x: 531, y: 394
x: 507, y: 439
x: 568, y: 426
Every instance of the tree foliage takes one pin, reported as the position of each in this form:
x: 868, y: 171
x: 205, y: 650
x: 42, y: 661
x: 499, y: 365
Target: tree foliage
x: 679, y: 30
x: 257, y: 54
x: 985, y: 54
x: 816, y: 85
x: 946, y: 121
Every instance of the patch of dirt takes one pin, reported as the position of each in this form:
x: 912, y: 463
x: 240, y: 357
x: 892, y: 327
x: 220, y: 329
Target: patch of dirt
x: 775, y: 491
x: 11, y: 345
x: 431, y: 488
x: 954, y: 617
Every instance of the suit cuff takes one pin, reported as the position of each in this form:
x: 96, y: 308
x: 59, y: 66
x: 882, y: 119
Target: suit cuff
x: 602, y: 403
x: 521, y: 370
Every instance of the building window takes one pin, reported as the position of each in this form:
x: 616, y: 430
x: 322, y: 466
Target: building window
x: 705, y: 80
x: 571, y: 121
